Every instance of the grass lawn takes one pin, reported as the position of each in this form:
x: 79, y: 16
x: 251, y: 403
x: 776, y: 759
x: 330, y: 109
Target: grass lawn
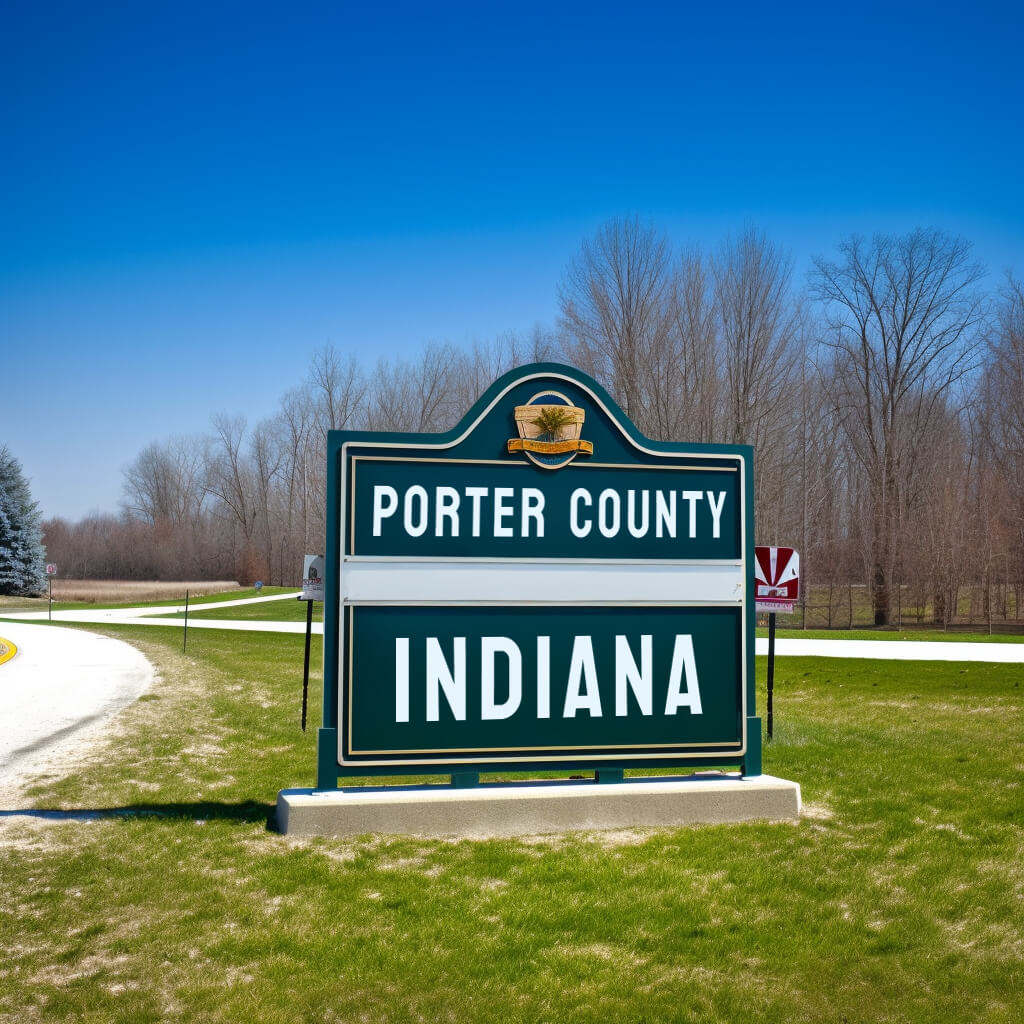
x: 853, y: 605
x: 164, y: 896
x: 11, y: 604
x: 241, y: 594
x: 285, y: 610
x: 932, y: 635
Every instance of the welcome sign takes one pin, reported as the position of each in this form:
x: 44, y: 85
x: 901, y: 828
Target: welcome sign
x: 540, y: 587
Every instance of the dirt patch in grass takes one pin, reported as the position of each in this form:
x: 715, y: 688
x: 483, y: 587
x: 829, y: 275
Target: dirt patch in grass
x: 818, y: 812
x: 21, y: 602
x: 622, y: 837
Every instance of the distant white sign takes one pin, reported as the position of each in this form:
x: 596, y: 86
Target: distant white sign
x: 313, y: 578
x: 51, y: 569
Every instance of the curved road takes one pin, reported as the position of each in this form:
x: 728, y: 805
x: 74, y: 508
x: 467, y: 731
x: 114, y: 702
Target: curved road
x: 60, y: 682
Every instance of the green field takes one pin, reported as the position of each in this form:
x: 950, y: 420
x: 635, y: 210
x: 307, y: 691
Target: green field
x: 929, y: 635
x: 17, y: 604
x: 242, y: 594
x: 285, y: 610
x: 161, y: 893
x: 845, y: 607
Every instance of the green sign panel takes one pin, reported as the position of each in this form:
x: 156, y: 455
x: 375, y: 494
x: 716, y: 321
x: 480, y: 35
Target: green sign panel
x: 540, y: 587
x: 500, y: 509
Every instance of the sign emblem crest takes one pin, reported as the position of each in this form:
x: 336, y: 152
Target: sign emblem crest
x: 549, y: 431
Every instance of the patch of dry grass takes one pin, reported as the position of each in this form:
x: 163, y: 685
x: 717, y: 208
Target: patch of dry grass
x: 6, y: 601
x: 136, y: 591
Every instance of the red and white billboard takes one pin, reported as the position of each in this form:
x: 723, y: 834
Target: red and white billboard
x: 776, y: 579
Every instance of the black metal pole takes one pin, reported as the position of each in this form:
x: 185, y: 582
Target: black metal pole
x: 184, y: 638
x: 771, y: 672
x: 49, y: 591
x: 305, y: 664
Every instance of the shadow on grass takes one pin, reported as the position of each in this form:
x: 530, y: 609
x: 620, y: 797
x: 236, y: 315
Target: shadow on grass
x: 250, y: 811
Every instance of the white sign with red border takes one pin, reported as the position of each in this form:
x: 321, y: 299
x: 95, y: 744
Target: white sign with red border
x: 776, y: 578
x: 313, y: 578
x: 51, y: 569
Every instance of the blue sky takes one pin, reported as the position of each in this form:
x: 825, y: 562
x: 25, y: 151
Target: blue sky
x: 194, y: 198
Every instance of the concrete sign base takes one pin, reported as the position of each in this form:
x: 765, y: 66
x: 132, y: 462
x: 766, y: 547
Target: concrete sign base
x: 532, y: 808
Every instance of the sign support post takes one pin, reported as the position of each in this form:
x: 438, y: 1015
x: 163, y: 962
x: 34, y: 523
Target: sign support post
x: 305, y: 662
x: 778, y: 590
x: 51, y: 571
x: 312, y: 590
x: 771, y: 673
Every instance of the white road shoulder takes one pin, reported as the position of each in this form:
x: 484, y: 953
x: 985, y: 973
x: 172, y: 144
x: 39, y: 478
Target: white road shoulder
x: 897, y: 650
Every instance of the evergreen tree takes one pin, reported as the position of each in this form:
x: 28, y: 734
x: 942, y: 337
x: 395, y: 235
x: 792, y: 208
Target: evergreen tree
x: 22, y: 555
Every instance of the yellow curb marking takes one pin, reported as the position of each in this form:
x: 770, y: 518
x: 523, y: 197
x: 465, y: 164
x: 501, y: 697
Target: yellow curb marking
x: 7, y: 650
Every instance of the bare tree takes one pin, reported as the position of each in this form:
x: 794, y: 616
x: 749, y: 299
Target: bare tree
x: 999, y: 414
x: 230, y: 480
x: 904, y: 321
x: 759, y: 355
x: 339, y: 389
x: 760, y: 337
x: 415, y: 396
x: 690, y: 408
x: 164, y: 482
x: 265, y: 457
x: 616, y: 309
x: 485, y: 362
x: 302, y: 471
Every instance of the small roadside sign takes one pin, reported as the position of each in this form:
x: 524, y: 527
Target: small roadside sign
x: 312, y: 590
x: 51, y: 571
x: 776, y: 589
x: 776, y: 578
x: 313, y: 578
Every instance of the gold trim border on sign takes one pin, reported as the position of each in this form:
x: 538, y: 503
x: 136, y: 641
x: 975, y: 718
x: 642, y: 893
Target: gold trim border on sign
x: 520, y: 444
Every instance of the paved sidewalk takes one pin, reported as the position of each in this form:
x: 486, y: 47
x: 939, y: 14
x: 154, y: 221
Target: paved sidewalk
x: 150, y: 616
x: 897, y: 650
x: 123, y: 615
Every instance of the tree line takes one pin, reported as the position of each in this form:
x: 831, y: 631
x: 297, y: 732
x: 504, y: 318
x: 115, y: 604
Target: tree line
x: 883, y: 395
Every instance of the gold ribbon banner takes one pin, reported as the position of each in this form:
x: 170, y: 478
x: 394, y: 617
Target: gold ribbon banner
x: 521, y: 444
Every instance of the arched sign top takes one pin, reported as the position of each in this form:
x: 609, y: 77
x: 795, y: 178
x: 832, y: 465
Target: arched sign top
x: 606, y: 423
x: 540, y: 585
